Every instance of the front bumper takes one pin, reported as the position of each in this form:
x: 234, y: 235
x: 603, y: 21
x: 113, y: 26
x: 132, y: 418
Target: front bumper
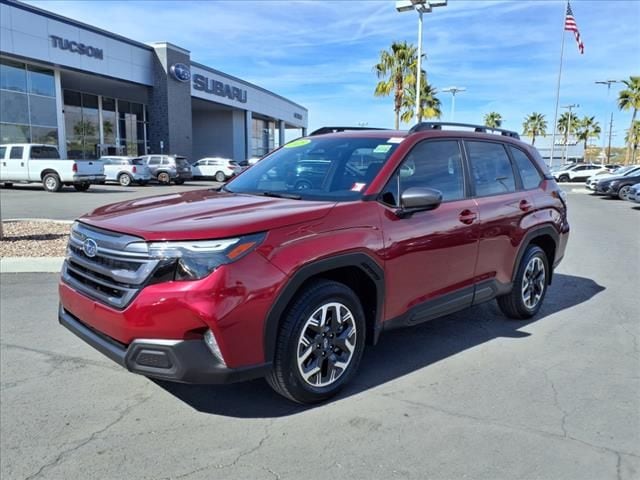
x: 89, y: 178
x: 185, y: 361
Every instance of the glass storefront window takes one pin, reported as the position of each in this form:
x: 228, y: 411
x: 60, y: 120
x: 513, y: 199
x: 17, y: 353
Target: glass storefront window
x: 14, y: 107
x: 41, y: 82
x: 43, y: 111
x: 45, y: 135
x: 10, y: 133
x: 13, y: 76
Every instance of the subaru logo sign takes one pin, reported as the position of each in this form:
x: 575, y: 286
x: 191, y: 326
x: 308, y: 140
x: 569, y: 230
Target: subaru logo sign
x: 90, y: 248
x: 180, y: 72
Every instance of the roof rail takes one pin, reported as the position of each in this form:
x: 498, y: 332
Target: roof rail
x: 419, y: 127
x: 323, y: 130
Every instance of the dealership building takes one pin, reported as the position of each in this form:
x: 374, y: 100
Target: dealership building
x: 95, y: 93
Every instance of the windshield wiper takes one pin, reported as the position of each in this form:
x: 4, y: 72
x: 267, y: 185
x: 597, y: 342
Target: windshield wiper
x: 291, y: 196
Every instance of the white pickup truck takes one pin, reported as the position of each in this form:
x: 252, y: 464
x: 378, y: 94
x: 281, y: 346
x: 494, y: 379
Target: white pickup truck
x: 30, y: 162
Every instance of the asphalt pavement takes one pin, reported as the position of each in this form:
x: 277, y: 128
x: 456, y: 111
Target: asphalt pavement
x: 31, y: 201
x: 471, y: 395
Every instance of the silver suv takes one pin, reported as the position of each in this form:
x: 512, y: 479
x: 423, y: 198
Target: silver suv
x: 126, y: 170
x: 168, y: 168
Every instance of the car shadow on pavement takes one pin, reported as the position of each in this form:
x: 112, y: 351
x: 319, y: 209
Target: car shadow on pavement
x: 398, y: 353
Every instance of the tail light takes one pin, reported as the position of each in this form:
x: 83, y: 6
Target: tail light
x: 74, y: 169
x: 134, y: 169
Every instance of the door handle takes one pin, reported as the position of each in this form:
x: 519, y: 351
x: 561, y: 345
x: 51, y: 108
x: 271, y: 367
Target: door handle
x: 467, y: 217
x: 22, y: 164
x: 525, y: 205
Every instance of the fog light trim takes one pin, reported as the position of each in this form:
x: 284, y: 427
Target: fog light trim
x: 212, y: 344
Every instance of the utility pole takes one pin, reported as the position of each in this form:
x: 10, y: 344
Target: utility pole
x: 453, y: 91
x: 610, y: 130
x: 565, y: 156
x: 608, y: 84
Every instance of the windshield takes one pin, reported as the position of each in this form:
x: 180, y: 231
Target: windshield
x: 317, y: 168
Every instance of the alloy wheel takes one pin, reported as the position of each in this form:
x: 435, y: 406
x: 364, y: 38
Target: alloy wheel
x: 326, y: 344
x: 533, y: 282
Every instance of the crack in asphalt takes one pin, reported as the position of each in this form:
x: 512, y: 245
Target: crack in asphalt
x: 236, y: 460
x: 59, y: 358
x: 66, y: 453
x: 490, y: 421
x: 556, y: 402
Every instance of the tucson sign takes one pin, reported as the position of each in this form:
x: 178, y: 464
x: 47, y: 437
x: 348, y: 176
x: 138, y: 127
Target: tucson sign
x: 76, y: 47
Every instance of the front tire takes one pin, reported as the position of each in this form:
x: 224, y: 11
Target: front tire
x: 563, y: 178
x: 51, y: 182
x: 320, y: 343
x: 623, y: 193
x: 164, y: 178
x: 529, y: 287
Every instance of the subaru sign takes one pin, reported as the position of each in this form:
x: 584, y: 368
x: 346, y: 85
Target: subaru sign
x: 180, y: 72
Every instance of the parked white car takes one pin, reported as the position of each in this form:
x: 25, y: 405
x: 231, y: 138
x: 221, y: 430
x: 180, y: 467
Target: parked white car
x: 37, y: 163
x: 634, y: 193
x: 126, y: 170
x: 578, y: 172
x: 221, y: 169
x: 593, y: 179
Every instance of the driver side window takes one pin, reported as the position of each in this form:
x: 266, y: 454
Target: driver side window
x: 435, y: 164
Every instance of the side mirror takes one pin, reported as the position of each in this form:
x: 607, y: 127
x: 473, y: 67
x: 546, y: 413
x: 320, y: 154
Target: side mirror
x: 418, y: 199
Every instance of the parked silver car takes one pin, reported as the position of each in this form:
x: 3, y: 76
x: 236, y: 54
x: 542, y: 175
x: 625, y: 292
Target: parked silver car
x: 126, y: 170
x: 168, y: 168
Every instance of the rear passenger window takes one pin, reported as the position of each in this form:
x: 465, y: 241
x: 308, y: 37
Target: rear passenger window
x: 165, y: 161
x: 529, y: 174
x: 16, y: 152
x: 154, y: 161
x: 491, y: 169
x: 431, y: 164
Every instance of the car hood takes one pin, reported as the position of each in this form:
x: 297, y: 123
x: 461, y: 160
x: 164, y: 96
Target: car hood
x: 203, y: 214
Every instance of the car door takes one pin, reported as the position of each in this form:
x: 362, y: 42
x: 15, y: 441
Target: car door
x: 15, y: 166
x: 430, y: 256
x: 503, y: 206
x: 154, y: 164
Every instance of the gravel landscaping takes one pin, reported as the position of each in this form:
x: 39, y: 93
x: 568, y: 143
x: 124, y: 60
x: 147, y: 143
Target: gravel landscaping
x: 34, y: 239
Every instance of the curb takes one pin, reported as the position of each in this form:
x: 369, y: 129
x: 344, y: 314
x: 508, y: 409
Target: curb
x: 31, y: 264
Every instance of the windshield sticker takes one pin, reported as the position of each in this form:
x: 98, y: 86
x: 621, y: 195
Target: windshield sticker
x: 382, y: 148
x: 395, y: 140
x: 357, y: 187
x: 298, y: 143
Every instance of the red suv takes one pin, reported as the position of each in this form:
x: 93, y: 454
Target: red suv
x: 271, y: 276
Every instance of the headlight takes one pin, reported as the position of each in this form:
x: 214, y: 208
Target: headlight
x: 197, y: 259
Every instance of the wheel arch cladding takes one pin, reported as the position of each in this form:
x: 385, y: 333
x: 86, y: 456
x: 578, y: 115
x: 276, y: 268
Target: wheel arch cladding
x: 544, y: 237
x: 357, y: 271
x: 47, y: 172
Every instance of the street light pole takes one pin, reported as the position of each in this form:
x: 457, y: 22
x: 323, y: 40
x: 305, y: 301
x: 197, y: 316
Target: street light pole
x: 565, y: 156
x: 608, y: 84
x: 610, y: 130
x: 422, y: 6
x: 453, y: 91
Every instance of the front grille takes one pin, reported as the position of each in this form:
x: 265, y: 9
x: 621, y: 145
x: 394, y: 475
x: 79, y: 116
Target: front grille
x: 117, y: 271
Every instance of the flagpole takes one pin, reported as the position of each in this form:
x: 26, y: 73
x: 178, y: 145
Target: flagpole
x: 555, y: 116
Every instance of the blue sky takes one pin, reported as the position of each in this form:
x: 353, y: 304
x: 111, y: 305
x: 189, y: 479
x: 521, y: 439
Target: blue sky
x: 321, y: 53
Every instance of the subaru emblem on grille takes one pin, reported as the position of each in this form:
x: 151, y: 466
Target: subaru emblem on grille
x: 90, y: 247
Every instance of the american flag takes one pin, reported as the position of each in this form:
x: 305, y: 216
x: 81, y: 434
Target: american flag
x: 571, y: 25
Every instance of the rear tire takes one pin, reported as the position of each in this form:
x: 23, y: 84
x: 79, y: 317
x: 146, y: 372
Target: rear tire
x: 125, y: 179
x: 320, y: 343
x: 82, y: 187
x: 8, y: 185
x: 220, y: 177
x: 51, y: 182
x: 623, y: 193
x: 563, y: 178
x: 529, y: 286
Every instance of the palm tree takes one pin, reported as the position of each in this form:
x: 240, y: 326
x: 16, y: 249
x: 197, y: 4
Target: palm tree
x: 633, y: 139
x: 588, y: 128
x: 396, y: 70
x: 629, y: 99
x: 534, y: 125
x: 493, y: 120
x: 567, y: 124
x: 429, y: 103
